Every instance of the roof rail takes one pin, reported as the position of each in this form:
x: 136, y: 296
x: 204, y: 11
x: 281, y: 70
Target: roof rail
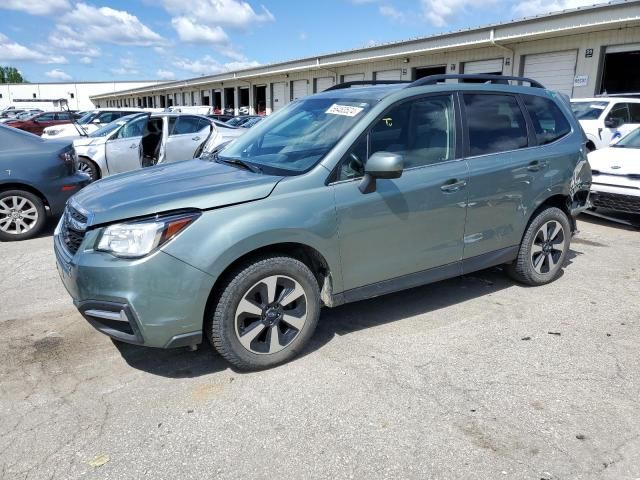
x: 340, y: 86
x: 489, y: 78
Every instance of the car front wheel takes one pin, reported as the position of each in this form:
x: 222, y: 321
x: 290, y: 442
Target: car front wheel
x: 543, y: 249
x: 266, y: 313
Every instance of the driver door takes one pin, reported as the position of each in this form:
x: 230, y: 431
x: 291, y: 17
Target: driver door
x: 124, y: 148
x: 412, y: 224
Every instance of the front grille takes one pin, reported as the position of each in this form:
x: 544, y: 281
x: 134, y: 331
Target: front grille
x: 622, y: 203
x: 73, y: 229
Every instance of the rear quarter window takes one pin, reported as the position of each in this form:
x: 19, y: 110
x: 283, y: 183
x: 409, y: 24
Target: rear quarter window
x: 549, y: 123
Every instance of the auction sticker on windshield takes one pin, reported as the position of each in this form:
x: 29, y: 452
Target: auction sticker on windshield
x: 346, y: 110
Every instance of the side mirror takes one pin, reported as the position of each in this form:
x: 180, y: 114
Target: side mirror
x: 613, y: 122
x: 95, y: 120
x: 384, y: 165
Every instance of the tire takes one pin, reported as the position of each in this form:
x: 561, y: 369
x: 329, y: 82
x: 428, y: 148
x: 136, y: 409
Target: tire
x: 258, y: 301
x: 22, y: 215
x: 540, y: 260
x: 88, y: 166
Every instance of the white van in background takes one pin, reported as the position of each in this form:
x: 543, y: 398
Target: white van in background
x: 606, y: 119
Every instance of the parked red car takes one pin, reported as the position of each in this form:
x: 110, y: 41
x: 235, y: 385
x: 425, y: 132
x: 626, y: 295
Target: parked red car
x: 40, y: 121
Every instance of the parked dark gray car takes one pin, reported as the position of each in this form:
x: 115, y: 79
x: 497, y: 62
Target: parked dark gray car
x: 338, y: 197
x: 37, y: 177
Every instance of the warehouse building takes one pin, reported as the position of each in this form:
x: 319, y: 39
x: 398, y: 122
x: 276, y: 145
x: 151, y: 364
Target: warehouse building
x: 76, y: 94
x: 581, y: 52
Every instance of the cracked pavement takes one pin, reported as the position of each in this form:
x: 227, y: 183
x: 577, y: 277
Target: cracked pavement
x: 459, y: 379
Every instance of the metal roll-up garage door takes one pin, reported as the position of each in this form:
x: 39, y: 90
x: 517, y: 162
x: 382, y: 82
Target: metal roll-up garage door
x: 299, y: 89
x: 353, y: 77
x: 555, y: 70
x: 389, y: 75
x: 483, y: 66
x: 322, y: 83
x: 279, y: 98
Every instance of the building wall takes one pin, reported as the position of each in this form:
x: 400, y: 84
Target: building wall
x: 454, y: 58
x: 77, y: 94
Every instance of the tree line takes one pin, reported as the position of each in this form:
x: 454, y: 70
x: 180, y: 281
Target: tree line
x: 10, y: 75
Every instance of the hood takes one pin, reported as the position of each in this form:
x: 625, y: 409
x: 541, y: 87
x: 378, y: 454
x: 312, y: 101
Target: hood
x: 86, y: 141
x: 616, y: 160
x: 195, y: 184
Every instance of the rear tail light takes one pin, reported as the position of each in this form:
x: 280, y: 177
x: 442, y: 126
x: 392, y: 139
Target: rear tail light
x: 68, y: 156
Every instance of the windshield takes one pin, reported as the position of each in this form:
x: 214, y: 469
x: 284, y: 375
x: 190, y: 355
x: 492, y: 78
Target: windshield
x: 296, y: 138
x: 588, y: 110
x: 87, y: 118
x: 631, y: 140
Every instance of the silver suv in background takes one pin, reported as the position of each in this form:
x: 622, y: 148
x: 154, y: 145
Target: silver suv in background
x: 143, y: 139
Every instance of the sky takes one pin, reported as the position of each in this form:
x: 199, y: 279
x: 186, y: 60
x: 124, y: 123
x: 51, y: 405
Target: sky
x: 98, y: 40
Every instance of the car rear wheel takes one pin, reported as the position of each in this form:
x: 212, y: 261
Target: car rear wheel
x: 22, y: 215
x: 543, y: 249
x: 90, y: 168
x: 266, y: 313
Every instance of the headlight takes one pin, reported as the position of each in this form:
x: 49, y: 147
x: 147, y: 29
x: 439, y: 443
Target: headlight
x: 137, y: 239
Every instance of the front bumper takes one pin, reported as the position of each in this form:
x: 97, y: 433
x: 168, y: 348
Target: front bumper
x: 616, y: 201
x: 156, y: 301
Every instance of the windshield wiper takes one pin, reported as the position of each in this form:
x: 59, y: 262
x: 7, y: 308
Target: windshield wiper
x: 239, y: 163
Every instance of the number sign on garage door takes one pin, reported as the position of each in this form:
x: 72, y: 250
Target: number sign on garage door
x: 555, y: 71
x: 299, y: 89
x: 278, y: 95
x: 389, y: 75
x: 483, y: 66
x: 323, y: 83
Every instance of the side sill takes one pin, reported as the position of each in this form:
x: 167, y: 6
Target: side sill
x: 424, y: 277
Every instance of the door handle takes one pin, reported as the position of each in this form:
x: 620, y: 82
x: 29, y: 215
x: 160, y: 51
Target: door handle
x: 133, y: 145
x: 195, y: 138
x: 536, y: 166
x: 453, y: 185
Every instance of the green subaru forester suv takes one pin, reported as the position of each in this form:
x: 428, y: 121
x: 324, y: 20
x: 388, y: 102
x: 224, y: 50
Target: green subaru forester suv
x: 341, y: 196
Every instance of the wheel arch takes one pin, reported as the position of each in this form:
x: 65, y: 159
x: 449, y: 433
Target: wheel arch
x: 557, y: 200
x: 94, y: 163
x: 26, y: 187
x: 306, y: 254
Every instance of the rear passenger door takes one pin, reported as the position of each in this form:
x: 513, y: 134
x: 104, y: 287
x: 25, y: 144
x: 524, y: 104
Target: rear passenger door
x: 186, y: 134
x: 413, y: 223
x: 505, y: 175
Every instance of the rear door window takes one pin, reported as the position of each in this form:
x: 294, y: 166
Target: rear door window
x: 549, y: 123
x: 185, y: 125
x: 495, y: 123
x: 46, y: 117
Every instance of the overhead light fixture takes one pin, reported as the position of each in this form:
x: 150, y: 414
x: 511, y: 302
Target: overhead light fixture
x: 405, y: 60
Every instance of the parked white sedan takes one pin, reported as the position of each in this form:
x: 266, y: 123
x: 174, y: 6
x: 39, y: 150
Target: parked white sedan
x: 144, y: 139
x: 616, y: 175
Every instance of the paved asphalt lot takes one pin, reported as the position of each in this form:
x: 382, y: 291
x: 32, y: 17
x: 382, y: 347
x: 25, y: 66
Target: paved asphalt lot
x: 463, y: 379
